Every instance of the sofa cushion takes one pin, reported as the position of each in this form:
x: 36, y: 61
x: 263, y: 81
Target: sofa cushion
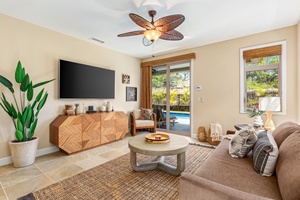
x: 284, y: 130
x: 237, y: 173
x: 287, y: 167
x: 265, y: 154
x: 142, y: 123
x: 242, y: 142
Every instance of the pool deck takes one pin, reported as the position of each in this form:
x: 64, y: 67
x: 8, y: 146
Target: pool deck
x: 179, y: 125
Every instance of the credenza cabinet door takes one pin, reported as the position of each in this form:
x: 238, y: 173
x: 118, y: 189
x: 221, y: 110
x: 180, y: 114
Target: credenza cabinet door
x: 108, y: 132
x: 121, y: 124
x: 68, y: 135
x: 90, y: 130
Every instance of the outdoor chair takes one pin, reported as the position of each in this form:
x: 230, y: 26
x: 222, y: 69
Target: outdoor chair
x: 162, y: 120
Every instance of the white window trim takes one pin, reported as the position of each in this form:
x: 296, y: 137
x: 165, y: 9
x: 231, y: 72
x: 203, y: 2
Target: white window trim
x: 282, y: 79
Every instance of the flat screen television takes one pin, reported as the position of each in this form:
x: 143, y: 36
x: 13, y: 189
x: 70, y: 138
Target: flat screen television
x: 83, y: 81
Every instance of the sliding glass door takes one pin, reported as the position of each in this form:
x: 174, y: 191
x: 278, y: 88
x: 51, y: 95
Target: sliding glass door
x: 171, y: 97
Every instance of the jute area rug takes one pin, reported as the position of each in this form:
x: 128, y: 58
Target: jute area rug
x: 117, y: 180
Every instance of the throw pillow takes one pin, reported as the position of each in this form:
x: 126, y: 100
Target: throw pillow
x: 146, y: 114
x: 242, y: 142
x: 265, y: 154
x: 137, y: 113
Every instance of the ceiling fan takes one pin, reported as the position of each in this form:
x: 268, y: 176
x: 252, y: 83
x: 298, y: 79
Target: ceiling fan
x: 162, y: 28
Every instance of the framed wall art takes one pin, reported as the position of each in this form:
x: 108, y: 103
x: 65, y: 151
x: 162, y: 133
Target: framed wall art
x: 131, y: 94
x: 125, y: 79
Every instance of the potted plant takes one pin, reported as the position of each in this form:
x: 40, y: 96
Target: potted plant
x: 24, y: 114
x: 256, y: 113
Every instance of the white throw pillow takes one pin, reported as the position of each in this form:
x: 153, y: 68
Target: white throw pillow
x: 137, y: 113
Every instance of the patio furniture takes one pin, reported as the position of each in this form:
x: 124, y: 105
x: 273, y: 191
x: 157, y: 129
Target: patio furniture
x: 161, y: 119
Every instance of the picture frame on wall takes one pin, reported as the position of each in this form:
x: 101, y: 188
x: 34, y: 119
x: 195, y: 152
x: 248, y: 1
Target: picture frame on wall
x: 131, y: 94
x: 125, y: 78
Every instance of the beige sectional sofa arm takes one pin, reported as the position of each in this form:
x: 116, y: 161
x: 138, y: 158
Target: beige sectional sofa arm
x: 194, y: 187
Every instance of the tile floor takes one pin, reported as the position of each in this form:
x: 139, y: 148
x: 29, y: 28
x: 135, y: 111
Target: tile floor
x: 54, y: 167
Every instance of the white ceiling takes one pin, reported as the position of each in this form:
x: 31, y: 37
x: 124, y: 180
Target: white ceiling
x: 206, y: 21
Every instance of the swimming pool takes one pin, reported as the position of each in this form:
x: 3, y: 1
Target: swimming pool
x: 183, y: 118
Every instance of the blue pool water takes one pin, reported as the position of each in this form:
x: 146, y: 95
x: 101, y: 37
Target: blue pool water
x: 180, y: 116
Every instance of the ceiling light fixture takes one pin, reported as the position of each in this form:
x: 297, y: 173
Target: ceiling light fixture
x: 152, y: 35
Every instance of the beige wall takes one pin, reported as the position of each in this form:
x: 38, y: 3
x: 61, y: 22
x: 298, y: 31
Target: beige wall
x: 216, y: 68
x: 39, y: 50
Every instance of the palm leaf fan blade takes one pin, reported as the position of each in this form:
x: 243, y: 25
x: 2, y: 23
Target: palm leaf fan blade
x: 169, y: 23
x: 141, y: 21
x: 171, y: 35
x: 132, y: 33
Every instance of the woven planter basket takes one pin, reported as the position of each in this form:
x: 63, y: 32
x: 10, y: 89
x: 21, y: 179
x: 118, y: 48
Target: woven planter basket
x: 23, y: 153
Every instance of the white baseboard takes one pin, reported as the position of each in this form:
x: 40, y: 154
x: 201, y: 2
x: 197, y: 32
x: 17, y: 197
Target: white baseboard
x: 40, y: 152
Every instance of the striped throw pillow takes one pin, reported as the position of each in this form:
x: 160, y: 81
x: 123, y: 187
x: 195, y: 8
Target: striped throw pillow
x: 265, y: 154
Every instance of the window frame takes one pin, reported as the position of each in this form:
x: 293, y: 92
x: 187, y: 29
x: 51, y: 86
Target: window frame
x: 281, y: 75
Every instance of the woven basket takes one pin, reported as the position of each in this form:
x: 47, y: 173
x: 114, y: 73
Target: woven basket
x: 215, y: 143
x: 202, y: 134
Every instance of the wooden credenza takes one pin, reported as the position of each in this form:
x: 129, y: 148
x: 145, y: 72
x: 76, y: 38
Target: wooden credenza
x: 79, y: 132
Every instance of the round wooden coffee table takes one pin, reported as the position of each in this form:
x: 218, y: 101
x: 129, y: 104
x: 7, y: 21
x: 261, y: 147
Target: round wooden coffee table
x: 176, y: 146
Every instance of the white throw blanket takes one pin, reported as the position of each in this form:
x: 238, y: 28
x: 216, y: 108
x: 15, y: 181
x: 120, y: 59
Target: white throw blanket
x: 216, y: 132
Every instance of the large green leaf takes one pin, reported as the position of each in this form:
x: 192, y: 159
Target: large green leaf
x: 38, y: 98
x: 13, y: 111
x: 6, y: 83
x: 32, y: 128
x: 28, y: 118
x: 20, y: 126
x: 43, y: 101
x: 19, y: 135
x: 42, y: 83
x: 41, y: 104
x: 6, y: 105
x: 4, y: 108
x: 24, y: 115
x: 24, y: 83
x: 20, y: 115
x: 19, y: 73
x: 30, y: 92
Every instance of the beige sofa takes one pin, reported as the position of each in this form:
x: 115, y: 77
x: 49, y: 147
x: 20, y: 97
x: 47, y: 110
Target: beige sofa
x: 224, y: 177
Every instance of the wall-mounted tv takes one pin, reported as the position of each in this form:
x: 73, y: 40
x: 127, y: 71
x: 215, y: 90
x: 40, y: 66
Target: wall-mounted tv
x: 83, y: 81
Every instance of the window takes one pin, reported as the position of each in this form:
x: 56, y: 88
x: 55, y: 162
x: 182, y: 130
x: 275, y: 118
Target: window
x: 262, y: 74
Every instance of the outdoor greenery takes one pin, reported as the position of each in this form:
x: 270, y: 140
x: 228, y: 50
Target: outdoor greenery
x: 24, y: 113
x: 179, y: 88
x: 261, y: 83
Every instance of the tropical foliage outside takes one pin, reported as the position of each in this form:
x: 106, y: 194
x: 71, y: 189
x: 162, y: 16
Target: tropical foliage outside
x: 179, y: 89
x: 261, y: 83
